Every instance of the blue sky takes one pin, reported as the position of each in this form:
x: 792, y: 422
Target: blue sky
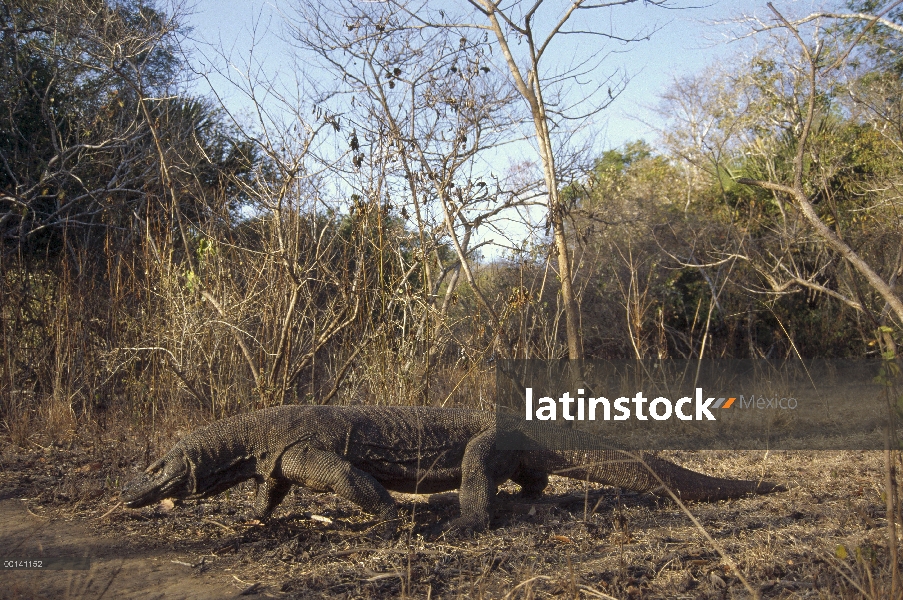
x: 686, y: 41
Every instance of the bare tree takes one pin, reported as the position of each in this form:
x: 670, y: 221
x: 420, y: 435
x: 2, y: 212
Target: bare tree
x: 425, y: 108
x: 277, y: 272
x: 519, y: 25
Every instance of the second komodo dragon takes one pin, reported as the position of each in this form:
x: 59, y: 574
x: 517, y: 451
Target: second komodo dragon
x: 361, y: 452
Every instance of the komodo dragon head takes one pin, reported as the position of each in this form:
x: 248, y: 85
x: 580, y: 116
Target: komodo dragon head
x: 169, y: 477
x: 183, y: 475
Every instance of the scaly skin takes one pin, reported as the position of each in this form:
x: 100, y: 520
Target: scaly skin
x: 361, y: 452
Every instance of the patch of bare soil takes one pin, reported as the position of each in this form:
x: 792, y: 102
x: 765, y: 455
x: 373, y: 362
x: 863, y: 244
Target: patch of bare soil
x: 824, y: 538
x: 116, y: 568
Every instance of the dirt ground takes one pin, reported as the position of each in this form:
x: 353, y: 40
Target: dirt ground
x: 824, y: 538
x: 118, y: 568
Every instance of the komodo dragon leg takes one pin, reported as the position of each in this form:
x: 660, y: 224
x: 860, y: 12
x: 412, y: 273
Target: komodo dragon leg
x: 319, y: 470
x: 483, y: 469
x: 270, y: 494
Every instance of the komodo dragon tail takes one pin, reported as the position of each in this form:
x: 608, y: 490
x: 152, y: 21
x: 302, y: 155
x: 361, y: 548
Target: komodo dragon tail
x: 643, y: 472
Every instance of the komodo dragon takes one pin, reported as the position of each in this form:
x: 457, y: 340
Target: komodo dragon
x: 361, y: 452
